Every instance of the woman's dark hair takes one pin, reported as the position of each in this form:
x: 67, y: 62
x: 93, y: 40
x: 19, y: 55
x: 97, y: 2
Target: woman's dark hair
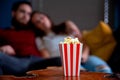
x: 63, y: 28
x: 60, y: 29
x: 39, y: 32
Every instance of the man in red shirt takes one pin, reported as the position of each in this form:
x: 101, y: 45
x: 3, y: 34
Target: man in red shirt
x: 18, y: 52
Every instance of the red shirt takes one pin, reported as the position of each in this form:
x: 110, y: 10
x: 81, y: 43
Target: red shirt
x: 22, y: 41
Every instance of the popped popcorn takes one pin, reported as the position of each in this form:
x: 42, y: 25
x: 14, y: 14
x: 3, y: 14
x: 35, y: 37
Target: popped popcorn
x: 69, y: 40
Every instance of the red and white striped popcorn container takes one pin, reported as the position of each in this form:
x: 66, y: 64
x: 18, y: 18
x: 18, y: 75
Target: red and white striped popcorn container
x: 71, y: 58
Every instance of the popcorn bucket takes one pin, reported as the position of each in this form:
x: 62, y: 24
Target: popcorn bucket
x: 71, y: 58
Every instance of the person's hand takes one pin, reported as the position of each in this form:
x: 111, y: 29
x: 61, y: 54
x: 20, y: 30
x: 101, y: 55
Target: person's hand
x: 84, y: 58
x: 7, y: 49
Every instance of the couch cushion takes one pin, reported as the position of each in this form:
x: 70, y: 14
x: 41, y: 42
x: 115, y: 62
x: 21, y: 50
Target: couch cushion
x: 100, y: 40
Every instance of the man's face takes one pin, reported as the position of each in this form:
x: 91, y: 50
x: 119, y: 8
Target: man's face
x: 22, y: 14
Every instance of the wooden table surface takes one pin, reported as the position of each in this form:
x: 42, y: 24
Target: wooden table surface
x: 55, y: 73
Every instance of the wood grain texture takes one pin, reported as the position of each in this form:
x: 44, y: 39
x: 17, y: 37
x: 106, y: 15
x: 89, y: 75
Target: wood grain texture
x: 55, y: 73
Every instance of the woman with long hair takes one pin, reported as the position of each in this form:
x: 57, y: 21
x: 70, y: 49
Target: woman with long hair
x: 48, y: 36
